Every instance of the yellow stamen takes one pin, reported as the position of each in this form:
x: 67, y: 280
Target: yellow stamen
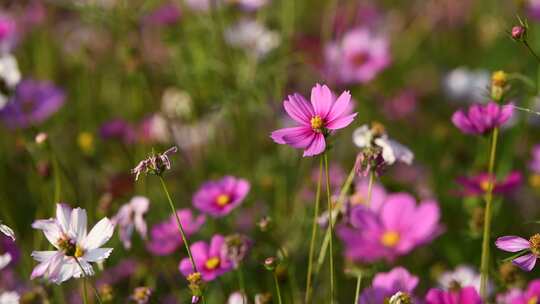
x: 223, y: 199
x: 79, y: 252
x: 358, y: 199
x: 533, y: 300
x: 534, y: 242
x: 390, y: 238
x: 316, y: 123
x: 484, y: 185
x: 212, y: 263
x: 499, y: 78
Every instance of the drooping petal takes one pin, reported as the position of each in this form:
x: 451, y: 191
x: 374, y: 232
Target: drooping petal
x: 525, y: 262
x: 321, y: 100
x: 99, y: 235
x: 512, y: 243
x: 42, y: 256
x: 50, y: 228
x: 97, y: 255
x: 296, y: 136
x: 317, y: 146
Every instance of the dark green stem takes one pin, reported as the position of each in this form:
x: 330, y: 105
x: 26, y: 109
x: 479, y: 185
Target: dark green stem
x: 330, y: 227
x: 314, y: 234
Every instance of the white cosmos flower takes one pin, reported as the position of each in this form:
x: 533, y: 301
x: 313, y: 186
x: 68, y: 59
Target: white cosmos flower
x: 9, y: 297
x: 253, y: 37
x: 9, y: 70
x: 74, y: 246
x: 462, y: 276
x: 130, y: 217
x: 392, y: 151
x: 7, y: 231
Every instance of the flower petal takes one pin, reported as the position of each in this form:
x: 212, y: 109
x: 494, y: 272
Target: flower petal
x: 512, y: 243
x: 78, y: 224
x: 299, y: 109
x: 63, y: 216
x: 97, y: 255
x: 99, y: 235
x: 299, y: 137
x: 341, y: 122
x: 321, y: 100
x: 317, y: 146
x: 525, y: 262
x: 340, y: 107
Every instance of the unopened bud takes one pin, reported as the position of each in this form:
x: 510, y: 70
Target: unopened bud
x: 270, y: 263
x: 519, y: 33
x: 41, y: 138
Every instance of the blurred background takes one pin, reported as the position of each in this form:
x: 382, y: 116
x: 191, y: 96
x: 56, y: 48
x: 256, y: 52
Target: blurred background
x: 109, y: 81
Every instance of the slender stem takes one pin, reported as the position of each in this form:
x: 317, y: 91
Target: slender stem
x: 370, y: 187
x: 330, y: 227
x: 96, y: 293
x: 179, y: 223
x: 85, y: 294
x: 340, y: 202
x: 531, y: 50
x: 278, y: 291
x: 358, y: 285
x: 314, y: 233
x: 241, y: 283
x: 484, y: 264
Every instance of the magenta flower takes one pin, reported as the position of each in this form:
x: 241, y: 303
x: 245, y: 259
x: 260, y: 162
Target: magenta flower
x: 8, y: 33
x: 385, y: 285
x: 467, y: 295
x: 358, y: 57
x: 478, y: 184
x: 163, y: 15
x: 210, y: 260
x: 317, y: 120
x: 164, y: 236
x: 118, y: 129
x: 481, y: 119
x: 360, y: 195
x: 130, y: 217
x: 219, y: 198
x: 529, y: 249
x: 531, y: 295
x: 397, y: 229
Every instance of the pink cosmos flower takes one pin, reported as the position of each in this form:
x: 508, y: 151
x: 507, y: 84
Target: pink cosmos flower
x: 130, y: 217
x: 482, y: 118
x: 534, y: 164
x: 530, y: 249
x: 210, y: 259
x: 316, y: 121
x: 478, y: 184
x: 385, y: 285
x: 8, y: 33
x: 164, y: 236
x: 67, y: 233
x: 219, y: 198
x: 467, y: 295
x: 360, y: 195
x: 397, y: 229
x: 531, y: 295
x: 358, y: 57
x: 511, y: 295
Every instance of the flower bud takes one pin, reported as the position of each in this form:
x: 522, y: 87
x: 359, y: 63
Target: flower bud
x: 270, y: 263
x: 41, y: 138
x: 519, y: 33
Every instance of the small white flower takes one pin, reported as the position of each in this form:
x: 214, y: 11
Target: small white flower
x: 463, y: 84
x: 5, y: 259
x: 463, y: 276
x: 9, y: 297
x: 392, y: 151
x: 131, y: 217
x: 7, y: 231
x: 253, y: 37
x: 237, y: 298
x: 9, y: 70
x: 75, y: 248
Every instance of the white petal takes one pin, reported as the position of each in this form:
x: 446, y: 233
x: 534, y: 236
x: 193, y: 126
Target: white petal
x: 97, y: 255
x: 50, y: 228
x: 4, y: 261
x: 362, y: 137
x: 67, y: 270
x: 78, y: 224
x: 43, y: 256
x: 63, y: 216
x: 9, y: 297
x: 99, y: 235
x: 7, y: 231
x: 387, y: 151
x: 88, y: 269
x: 401, y: 152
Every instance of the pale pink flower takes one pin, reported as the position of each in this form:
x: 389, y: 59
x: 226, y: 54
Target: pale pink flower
x: 131, y: 217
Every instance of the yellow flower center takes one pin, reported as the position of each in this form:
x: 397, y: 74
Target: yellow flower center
x: 212, y: 263
x: 499, y: 78
x: 484, y: 185
x: 533, y: 300
x: 79, y: 252
x: 534, y: 242
x: 534, y: 180
x: 358, y: 199
x: 316, y: 123
x: 390, y: 238
x: 223, y: 199
x: 85, y: 140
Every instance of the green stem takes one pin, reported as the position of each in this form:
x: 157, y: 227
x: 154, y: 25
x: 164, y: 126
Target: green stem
x: 358, y: 285
x: 330, y: 227
x: 314, y: 234
x: 85, y: 276
x: 179, y: 223
x: 484, y: 264
x: 85, y: 294
x: 241, y: 283
x: 531, y: 51
x: 278, y: 291
x: 370, y: 187
x: 340, y: 202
